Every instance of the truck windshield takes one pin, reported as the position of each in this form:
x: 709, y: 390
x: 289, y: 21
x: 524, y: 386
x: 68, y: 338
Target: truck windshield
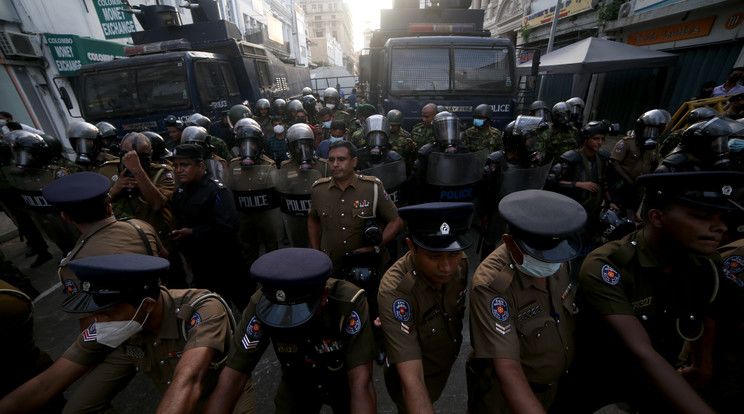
x: 135, y: 90
x: 456, y: 70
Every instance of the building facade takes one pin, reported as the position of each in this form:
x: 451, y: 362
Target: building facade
x: 328, y: 21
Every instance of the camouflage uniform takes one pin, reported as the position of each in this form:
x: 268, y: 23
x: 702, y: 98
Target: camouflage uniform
x: 479, y: 139
x: 220, y: 148
x: 358, y: 138
x: 402, y: 143
x: 69, y: 165
x: 339, y: 115
x: 554, y: 142
x: 671, y: 142
x: 266, y: 124
x: 422, y: 134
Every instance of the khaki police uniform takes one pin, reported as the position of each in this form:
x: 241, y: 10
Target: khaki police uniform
x: 108, y: 236
x: 514, y: 317
x: 318, y: 164
x: 135, y: 206
x: 421, y: 322
x: 206, y: 324
x: 632, y: 160
x: 316, y: 357
x: 342, y: 214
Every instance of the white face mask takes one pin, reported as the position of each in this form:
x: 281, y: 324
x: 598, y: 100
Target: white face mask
x: 278, y: 129
x: 535, y: 268
x: 114, y: 333
x: 326, y: 124
x: 330, y: 106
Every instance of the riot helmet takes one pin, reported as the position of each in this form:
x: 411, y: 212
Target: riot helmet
x: 157, y: 143
x: 55, y: 146
x: 109, y: 138
x: 309, y: 103
x: 525, y: 137
x: 561, y: 115
x: 703, y: 113
x: 446, y: 131
x: 307, y: 91
x: 649, y: 128
x: 616, y: 225
x: 198, y: 119
x: 250, y: 143
x: 576, y: 107
x: 376, y: 133
x: 331, y: 97
x: 245, y: 122
x: 279, y: 106
x: 395, y: 117
x: 541, y: 109
x: 708, y: 141
x: 238, y: 112
x: 593, y: 128
x: 196, y: 135
x: 482, y: 115
x: 262, y: 104
x: 300, y: 139
x: 293, y: 106
x: 30, y: 150
x: 85, y: 140
x: 173, y: 121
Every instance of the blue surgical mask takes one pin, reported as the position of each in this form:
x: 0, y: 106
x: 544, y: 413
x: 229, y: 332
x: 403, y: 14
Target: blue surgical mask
x: 327, y: 124
x: 535, y: 268
x: 478, y: 122
x: 334, y: 139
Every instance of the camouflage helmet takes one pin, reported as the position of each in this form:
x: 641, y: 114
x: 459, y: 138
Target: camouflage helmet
x: 395, y: 117
x: 238, y: 112
x: 262, y: 103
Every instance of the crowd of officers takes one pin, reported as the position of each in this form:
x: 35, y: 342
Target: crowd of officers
x: 601, y: 278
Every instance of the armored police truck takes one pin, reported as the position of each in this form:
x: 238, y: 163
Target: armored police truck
x: 177, y: 69
x: 439, y: 54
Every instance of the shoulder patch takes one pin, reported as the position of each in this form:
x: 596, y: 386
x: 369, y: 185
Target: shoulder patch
x: 195, y: 320
x: 732, y: 266
x: 500, y: 309
x: 610, y: 275
x: 60, y: 173
x: 620, y: 145
x: 169, y: 177
x: 69, y: 287
x: 402, y: 310
x: 90, y: 333
x: 354, y: 324
x: 253, y: 329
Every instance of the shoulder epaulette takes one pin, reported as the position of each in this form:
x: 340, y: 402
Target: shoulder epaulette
x: 321, y: 181
x: 370, y: 178
x: 406, y: 283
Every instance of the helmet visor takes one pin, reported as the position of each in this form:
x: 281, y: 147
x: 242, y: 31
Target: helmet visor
x: 24, y: 157
x: 82, y: 145
x: 446, y: 130
x: 651, y: 133
x: 249, y: 148
x: 376, y: 139
x: 303, y: 149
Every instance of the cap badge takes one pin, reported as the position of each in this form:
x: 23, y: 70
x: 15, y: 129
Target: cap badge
x: 281, y: 296
x: 444, y: 228
x: 86, y: 286
x: 726, y: 190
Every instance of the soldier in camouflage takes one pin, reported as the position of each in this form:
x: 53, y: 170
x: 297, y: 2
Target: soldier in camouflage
x: 423, y: 133
x: 332, y: 100
x: 560, y: 137
x: 482, y: 135
x: 400, y: 140
x: 703, y: 113
x: 363, y: 112
x: 262, y: 115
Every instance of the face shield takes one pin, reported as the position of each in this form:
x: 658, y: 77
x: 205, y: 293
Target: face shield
x: 302, y: 150
x: 84, y: 148
x: 541, y: 113
x: 447, y: 132
x: 249, y: 150
x: 376, y: 142
x: 24, y: 157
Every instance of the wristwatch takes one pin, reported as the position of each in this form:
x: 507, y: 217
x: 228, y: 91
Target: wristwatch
x: 377, y: 249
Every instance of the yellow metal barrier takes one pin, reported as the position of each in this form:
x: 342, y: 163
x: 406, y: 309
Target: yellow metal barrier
x: 679, y: 119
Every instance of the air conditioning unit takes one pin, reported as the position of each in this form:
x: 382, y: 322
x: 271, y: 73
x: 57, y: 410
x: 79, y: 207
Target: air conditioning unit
x: 20, y: 44
x: 625, y: 9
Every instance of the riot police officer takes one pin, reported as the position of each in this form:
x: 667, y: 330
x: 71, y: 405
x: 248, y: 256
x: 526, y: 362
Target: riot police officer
x: 540, y: 109
x: 576, y: 107
x: 250, y: 177
x: 263, y: 115
x: 109, y: 137
x: 220, y: 147
x: 292, y: 107
x: 358, y: 135
x: 704, y: 147
x: 482, y: 135
x: 279, y: 108
x: 174, y: 128
x: 160, y: 154
x: 85, y: 140
x: 700, y: 114
x: 307, y: 91
x: 562, y: 136
x: 401, y: 140
x: 376, y: 159
x: 332, y: 101
x: 311, y: 108
x: 446, y: 170
x: 199, y: 136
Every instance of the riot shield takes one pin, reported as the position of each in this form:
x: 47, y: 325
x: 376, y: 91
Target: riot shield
x: 393, y: 177
x: 454, y: 177
x: 253, y: 187
x: 30, y: 182
x: 294, y: 188
x: 517, y: 179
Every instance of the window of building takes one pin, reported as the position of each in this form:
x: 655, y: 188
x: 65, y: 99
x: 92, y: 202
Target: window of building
x: 335, y: 34
x: 318, y: 17
x: 318, y: 34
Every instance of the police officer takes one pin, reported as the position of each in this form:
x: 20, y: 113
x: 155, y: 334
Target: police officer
x: 178, y: 338
x: 292, y: 107
x: 562, y: 136
x: 346, y: 207
x: 582, y: 175
x: 109, y: 137
x: 696, y: 115
x: 635, y: 155
x: 279, y: 108
x: 311, y: 108
x: 576, y: 108
x: 84, y: 202
x: 207, y: 227
x: 522, y: 306
x: 160, y: 154
x: 332, y: 101
x: 263, y: 115
x: 655, y: 289
x: 219, y: 146
x: 423, y: 132
x: 321, y: 333
x: 235, y: 114
x: 704, y: 147
x: 300, y: 140
x: 540, y: 109
x: 250, y: 179
x: 199, y: 136
x: 174, y: 127
x: 85, y: 140
x: 422, y: 304
x: 375, y: 150
x: 358, y: 136
x: 482, y: 136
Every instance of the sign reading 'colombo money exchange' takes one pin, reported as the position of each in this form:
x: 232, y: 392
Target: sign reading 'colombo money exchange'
x: 72, y: 52
x: 114, y: 22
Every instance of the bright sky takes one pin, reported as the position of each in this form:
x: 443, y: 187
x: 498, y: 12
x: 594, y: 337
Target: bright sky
x: 366, y: 14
